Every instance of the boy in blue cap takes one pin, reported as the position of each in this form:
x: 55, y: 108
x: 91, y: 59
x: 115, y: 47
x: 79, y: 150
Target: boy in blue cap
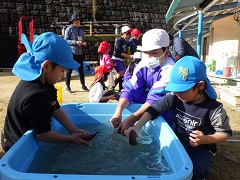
x: 34, y: 101
x: 200, y: 121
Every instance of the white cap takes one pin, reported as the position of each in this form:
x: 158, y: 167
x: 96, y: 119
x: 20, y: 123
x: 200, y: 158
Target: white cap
x: 137, y: 55
x: 154, y: 39
x: 125, y: 29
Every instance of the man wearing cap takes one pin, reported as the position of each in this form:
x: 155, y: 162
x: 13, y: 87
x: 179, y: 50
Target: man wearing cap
x: 120, y: 52
x: 74, y: 35
x: 200, y: 120
x: 34, y: 100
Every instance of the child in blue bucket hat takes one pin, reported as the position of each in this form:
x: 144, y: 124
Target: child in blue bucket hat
x: 200, y: 120
x: 34, y: 101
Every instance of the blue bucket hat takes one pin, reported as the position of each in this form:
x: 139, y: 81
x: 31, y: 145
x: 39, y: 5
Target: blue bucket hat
x: 47, y: 46
x: 75, y: 16
x: 186, y: 73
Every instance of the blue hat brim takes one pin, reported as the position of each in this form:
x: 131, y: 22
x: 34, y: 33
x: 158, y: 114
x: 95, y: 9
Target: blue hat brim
x: 173, y: 87
x: 184, y: 87
x: 70, y: 65
x: 28, y: 71
x: 210, y: 90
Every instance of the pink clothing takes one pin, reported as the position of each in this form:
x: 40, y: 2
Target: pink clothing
x: 106, y: 60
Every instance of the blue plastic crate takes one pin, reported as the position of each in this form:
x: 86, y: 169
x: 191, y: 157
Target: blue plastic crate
x: 15, y: 162
x: 87, y: 69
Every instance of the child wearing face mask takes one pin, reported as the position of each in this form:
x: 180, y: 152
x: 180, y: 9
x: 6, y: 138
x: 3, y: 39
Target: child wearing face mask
x: 147, y: 84
x: 200, y: 121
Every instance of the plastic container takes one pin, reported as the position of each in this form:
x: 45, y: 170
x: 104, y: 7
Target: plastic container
x: 14, y: 164
x: 87, y: 69
x: 219, y: 72
x: 226, y: 71
x: 59, y: 93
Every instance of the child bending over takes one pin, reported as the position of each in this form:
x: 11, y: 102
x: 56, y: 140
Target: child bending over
x: 34, y: 101
x: 200, y: 120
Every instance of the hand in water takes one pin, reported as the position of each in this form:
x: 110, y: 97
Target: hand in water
x: 132, y: 134
x: 89, y: 137
x: 132, y: 139
x: 125, y: 125
x: 77, y: 139
x: 80, y: 131
x: 115, y: 121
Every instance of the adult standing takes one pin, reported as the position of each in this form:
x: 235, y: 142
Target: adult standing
x: 74, y: 35
x: 119, y: 53
x: 179, y: 48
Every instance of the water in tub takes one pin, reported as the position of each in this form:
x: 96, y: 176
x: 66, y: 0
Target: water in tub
x: 108, y: 154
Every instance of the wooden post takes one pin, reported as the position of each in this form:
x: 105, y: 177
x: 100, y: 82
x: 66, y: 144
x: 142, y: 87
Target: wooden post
x: 90, y: 30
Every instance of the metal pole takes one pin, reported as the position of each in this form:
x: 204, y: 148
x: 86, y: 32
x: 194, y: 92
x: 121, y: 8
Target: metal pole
x: 199, y: 37
x: 179, y: 33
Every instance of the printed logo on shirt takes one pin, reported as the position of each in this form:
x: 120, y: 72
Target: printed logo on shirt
x: 186, y: 122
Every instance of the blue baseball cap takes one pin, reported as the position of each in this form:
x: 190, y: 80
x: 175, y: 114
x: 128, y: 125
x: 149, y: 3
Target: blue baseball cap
x: 186, y: 73
x: 47, y: 46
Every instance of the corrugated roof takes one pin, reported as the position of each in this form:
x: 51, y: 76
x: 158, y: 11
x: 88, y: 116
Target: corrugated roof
x: 183, y: 14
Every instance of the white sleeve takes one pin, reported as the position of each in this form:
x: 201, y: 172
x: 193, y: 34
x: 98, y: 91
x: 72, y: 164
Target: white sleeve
x: 96, y: 92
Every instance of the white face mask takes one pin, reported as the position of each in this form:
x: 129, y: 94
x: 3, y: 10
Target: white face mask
x: 152, y: 62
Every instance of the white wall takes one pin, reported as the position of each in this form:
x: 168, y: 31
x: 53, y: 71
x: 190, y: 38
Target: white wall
x: 224, y: 42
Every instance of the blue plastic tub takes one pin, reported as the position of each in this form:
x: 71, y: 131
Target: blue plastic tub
x: 14, y: 164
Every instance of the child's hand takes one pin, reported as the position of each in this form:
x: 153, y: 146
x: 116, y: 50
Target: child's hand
x: 81, y: 131
x: 112, y: 97
x: 114, y: 63
x: 77, y: 139
x: 79, y: 43
x: 126, y: 132
x: 128, y: 122
x: 132, y: 134
x: 131, y: 57
x: 197, y: 138
x: 115, y: 121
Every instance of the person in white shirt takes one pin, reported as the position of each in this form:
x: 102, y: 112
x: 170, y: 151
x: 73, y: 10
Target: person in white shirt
x: 98, y: 93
